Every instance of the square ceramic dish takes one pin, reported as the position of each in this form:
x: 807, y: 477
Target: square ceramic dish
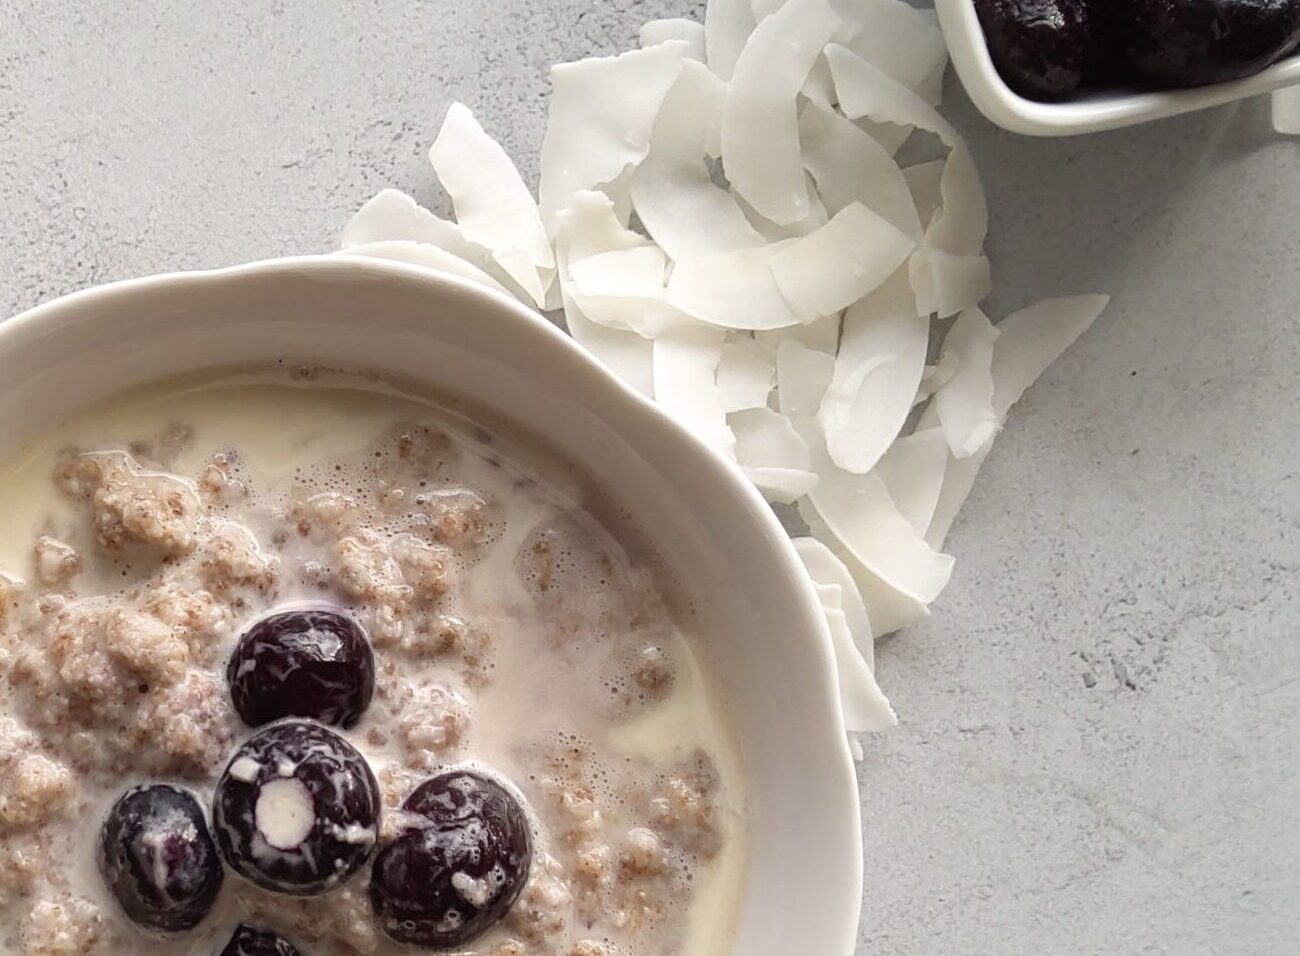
x: 1091, y: 112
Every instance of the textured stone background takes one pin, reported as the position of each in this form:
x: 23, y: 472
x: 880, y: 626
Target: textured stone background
x: 1099, y: 742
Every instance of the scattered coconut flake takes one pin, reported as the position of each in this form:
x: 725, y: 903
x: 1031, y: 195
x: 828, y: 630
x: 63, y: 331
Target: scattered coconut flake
x: 877, y: 373
x: 768, y: 448
x: 494, y: 208
x: 923, y: 180
x: 820, y: 85
x: 760, y: 126
x: 935, y: 377
x: 624, y: 289
x: 727, y: 25
x: 690, y: 32
x: 589, y: 227
x: 958, y: 480
x: 745, y: 376
x: 946, y: 284
x: 817, y: 217
x: 765, y: 8
x: 673, y: 193
x: 685, y: 377
x: 965, y: 404
x: 1286, y: 111
x: 602, y: 110
x: 850, y: 166
x: 828, y: 571
x: 734, y: 290
x: 898, y: 40
x: 889, y: 609
x: 864, y: 90
x: 962, y: 222
x: 802, y: 376
x: 837, y: 265
x: 430, y: 257
x: 913, y: 471
x: 865, y: 707
x: 823, y: 335
x: 1033, y: 338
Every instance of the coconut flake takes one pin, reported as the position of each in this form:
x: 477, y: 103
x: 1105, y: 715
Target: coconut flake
x: 850, y: 166
x: 760, y: 127
x: 817, y: 217
x: 681, y: 207
x: 734, y: 290
x: 802, y: 376
x: 745, y: 376
x: 822, y: 335
x: 865, y: 707
x: 588, y: 228
x: 772, y: 454
x: 685, y: 376
x: 958, y: 480
x: 1033, y: 338
x: 946, y: 284
x: 877, y: 373
x: 828, y: 571
x: 727, y: 26
x: 1286, y: 111
x: 837, y: 265
x: 690, y: 32
x: 923, y: 180
x: 965, y: 404
x: 601, y: 114
x: 430, y: 257
x: 913, y: 471
x: 494, y: 208
x: 935, y: 377
x: 898, y: 40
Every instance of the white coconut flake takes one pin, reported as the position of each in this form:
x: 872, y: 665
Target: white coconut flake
x: 822, y: 335
x: 772, y: 454
x: 837, y: 265
x: 802, y: 376
x: 877, y: 373
x: 494, y: 208
x: 727, y: 25
x: 1286, y: 111
x: 850, y: 166
x: 820, y: 85
x: 690, y: 32
x: 864, y: 90
x: 673, y: 193
x: 685, y: 377
x: 624, y: 289
x: 430, y: 257
x: 745, y: 375
x: 913, y: 471
x: 734, y: 290
x: 897, y: 39
x: 817, y: 217
x: 1033, y: 338
x: 958, y: 480
x: 602, y: 111
x: 588, y: 228
x: 923, y: 180
x: 965, y: 404
x: 962, y: 222
x: 760, y: 126
x: 946, y: 284
x: 828, y: 571
x: 935, y: 377
x: 865, y: 707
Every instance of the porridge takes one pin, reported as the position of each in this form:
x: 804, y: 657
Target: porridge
x: 295, y: 663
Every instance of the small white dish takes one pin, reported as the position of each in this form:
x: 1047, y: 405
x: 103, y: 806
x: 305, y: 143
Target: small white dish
x: 765, y: 632
x: 1091, y: 112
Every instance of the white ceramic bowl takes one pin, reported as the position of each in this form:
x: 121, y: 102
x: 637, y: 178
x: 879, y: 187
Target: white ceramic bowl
x: 1091, y: 112
x: 766, y: 633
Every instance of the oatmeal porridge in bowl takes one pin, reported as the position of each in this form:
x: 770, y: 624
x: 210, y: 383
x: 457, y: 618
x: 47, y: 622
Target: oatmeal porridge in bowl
x: 312, y: 643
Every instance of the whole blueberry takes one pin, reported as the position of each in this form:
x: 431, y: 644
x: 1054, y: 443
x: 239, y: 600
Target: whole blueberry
x: 296, y: 810
x: 457, y: 866
x: 308, y: 662
x: 158, y: 859
x: 250, y: 941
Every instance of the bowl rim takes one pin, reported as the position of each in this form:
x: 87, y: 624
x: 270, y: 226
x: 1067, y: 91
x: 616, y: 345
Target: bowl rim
x: 1006, y: 108
x: 621, y: 401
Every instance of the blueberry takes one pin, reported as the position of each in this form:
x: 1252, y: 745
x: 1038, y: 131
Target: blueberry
x: 157, y: 857
x: 311, y: 662
x: 249, y: 941
x: 457, y: 866
x: 297, y: 809
x: 1193, y: 42
x: 1040, y: 47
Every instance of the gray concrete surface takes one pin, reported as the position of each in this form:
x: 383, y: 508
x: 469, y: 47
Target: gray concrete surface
x: 1099, y: 743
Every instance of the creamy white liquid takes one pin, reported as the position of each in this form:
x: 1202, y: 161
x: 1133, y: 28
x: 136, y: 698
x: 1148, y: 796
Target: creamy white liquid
x: 282, y: 429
